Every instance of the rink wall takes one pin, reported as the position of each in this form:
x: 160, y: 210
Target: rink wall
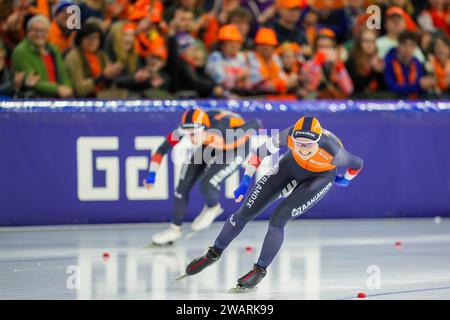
x: 71, y: 162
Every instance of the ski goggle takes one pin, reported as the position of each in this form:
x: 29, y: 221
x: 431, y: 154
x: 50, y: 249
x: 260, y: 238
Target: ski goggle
x: 192, y: 131
x: 303, y: 143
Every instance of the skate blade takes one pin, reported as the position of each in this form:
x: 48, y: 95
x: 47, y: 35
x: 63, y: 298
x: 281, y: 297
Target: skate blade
x: 152, y: 245
x: 191, y: 234
x: 242, y: 290
x: 181, y: 277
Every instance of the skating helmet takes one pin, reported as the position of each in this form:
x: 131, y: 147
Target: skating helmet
x: 195, y: 119
x: 307, y: 127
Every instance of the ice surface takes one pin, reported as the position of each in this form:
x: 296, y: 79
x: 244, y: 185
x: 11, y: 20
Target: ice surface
x: 320, y: 259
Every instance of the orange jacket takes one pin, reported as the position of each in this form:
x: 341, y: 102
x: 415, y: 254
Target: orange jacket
x: 58, y: 38
x: 41, y: 7
x: 266, y: 75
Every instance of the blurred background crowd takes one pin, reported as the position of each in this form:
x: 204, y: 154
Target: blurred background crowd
x: 273, y: 49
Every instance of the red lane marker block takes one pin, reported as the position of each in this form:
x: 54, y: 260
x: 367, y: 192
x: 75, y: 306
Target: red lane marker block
x: 398, y: 244
x: 248, y: 249
x: 361, y: 295
x: 105, y: 256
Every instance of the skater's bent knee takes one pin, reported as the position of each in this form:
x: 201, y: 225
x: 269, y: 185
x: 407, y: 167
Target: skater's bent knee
x: 242, y: 216
x: 278, y: 222
x: 182, y: 191
x: 206, y: 186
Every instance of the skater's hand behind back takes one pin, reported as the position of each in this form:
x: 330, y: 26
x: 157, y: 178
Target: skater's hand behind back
x: 240, y: 192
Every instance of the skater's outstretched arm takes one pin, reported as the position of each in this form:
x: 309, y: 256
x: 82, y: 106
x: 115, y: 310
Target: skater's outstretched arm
x: 271, y: 146
x: 172, y: 139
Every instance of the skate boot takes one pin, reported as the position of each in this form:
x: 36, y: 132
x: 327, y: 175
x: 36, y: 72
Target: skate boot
x: 248, y: 282
x: 206, y: 217
x: 199, y: 264
x: 168, y: 236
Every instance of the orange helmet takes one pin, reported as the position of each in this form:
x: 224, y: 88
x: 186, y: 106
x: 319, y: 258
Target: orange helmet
x: 195, y: 119
x: 266, y: 36
x: 230, y: 32
x: 307, y: 127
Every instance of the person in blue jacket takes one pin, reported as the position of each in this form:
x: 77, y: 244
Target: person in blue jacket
x: 404, y: 74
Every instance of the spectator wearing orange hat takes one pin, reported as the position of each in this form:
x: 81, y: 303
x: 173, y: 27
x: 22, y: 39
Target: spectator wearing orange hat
x: 228, y: 66
x: 59, y: 34
x: 395, y: 24
x: 266, y: 73
x: 406, y: 5
x: 286, y: 26
x: 325, y: 76
x: 408, y: 13
x: 436, y: 17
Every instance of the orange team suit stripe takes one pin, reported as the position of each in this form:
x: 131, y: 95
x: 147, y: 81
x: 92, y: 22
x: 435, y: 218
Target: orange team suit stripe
x: 157, y: 157
x: 321, y: 161
x: 299, y: 124
x: 236, y: 122
x: 218, y: 142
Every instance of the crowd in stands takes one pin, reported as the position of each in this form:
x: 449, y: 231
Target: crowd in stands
x: 273, y: 49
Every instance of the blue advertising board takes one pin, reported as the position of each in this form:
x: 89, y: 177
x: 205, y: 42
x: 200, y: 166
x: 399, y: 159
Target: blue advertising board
x: 76, y: 162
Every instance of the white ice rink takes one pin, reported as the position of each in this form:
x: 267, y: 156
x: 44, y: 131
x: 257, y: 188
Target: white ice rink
x: 319, y: 260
